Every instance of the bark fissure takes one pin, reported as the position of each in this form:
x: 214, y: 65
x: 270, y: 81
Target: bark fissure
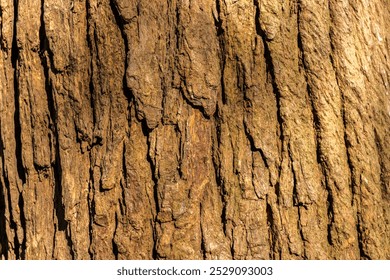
x: 15, y: 59
x: 23, y: 225
x: 156, y: 198
x: 16, y: 246
x: 271, y: 234
x: 19, y: 237
x: 359, y: 229
x: 276, y: 92
x: 121, y: 24
x: 91, y: 211
x: 3, y: 225
x: 380, y: 151
x: 114, y: 245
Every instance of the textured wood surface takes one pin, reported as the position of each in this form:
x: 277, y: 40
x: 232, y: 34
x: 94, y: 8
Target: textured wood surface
x: 183, y: 129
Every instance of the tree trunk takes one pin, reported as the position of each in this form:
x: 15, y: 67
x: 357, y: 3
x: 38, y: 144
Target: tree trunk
x: 194, y: 129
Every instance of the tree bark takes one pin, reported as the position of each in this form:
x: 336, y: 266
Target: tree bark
x: 183, y: 129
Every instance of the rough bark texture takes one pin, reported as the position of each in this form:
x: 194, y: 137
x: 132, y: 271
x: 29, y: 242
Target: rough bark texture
x: 194, y: 129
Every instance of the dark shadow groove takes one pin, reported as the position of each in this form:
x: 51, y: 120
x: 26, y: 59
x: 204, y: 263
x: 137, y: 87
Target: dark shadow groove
x: 91, y: 211
x: 3, y: 225
x: 381, y: 157
x: 18, y: 129
x: 221, y: 52
x: 270, y: 69
x: 271, y: 234
x: 69, y: 242
x: 202, y: 243
x: 217, y: 171
x: 152, y: 164
x: 23, y: 224
x: 15, y: 59
x: 121, y: 24
x: 329, y: 209
x: 115, y: 249
x: 362, y: 251
x: 13, y: 225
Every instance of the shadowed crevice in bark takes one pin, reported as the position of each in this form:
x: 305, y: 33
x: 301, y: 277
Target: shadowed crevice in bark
x: 330, y: 217
x: 360, y: 229
x: 22, y: 249
x: 121, y: 25
x: 114, y: 245
x: 299, y: 225
x: 70, y: 243
x: 3, y: 226
x: 19, y: 237
x: 15, y: 59
x: 379, y: 147
x: 270, y: 70
x: 218, y: 22
x: 202, y: 239
x: 157, y: 199
x: 91, y: 210
x: 13, y: 226
x: 272, y: 235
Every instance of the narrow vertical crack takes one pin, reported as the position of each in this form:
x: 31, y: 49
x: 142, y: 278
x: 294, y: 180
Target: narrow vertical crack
x: 70, y: 243
x: 13, y: 224
x: 121, y: 24
x: 383, y: 176
x: 297, y: 203
x: 92, y: 214
x: 217, y: 171
x: 330, y: 214
x: 91, y: 211
x: 299, y: 225
x: 152, y: 165
x: 270, y: 70
x: 23, y: 224
x: 115, y: 249
x: 95, y: 140
x: 218, y: 22
x: 271, y: 227
x: 361, y: 239
x: 3, y: 225
x: 3, y: 45
x: 92, y: 48
x: 232, y: 245
x: 217, y: 18
x: 123, y: 206
x: 18, y: 129
x: 15, y: 60
x: 202, y: 237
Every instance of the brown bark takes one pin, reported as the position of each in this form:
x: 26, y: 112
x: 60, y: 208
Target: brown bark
x: 183, y: 129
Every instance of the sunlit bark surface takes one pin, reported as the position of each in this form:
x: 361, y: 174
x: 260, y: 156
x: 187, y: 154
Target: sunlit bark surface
x: 184, y: 129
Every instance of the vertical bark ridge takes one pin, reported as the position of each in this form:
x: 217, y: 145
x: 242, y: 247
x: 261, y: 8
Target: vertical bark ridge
x: 353, y: 52
x: 327, y: 101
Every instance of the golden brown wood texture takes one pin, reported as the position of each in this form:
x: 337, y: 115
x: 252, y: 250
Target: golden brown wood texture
x: 194, y: 129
